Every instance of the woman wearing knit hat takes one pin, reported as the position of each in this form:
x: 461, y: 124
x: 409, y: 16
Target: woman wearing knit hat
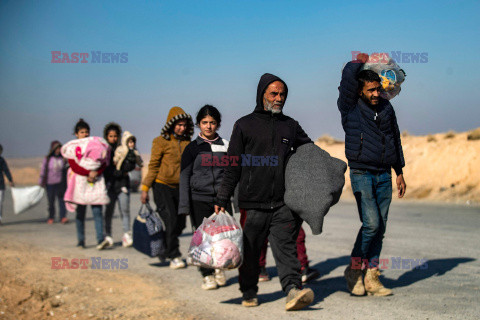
x: 52, y: 178
x: 164, y: 177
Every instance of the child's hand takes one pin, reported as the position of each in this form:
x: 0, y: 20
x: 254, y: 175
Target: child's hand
x: 92, y: 176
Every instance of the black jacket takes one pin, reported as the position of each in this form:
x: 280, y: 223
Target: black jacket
x: 372, y: 139
x: 262, y: 143
x: 201, y: 172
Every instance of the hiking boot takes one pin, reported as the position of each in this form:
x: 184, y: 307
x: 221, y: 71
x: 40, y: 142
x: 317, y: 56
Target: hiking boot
x: 81, y: 244
x: 177, y: 263
x: 309, y: 274
x: 263, y: 276
x: 64, y: 220
x: 209, y: 283
x: 127, y: 240
x: 373, y: 286
x: 106, y: 243
x: 220, y: 278
x: 354, y: 281
x: 298, y: 299
x: 50, y: 221
x: 250, y: 302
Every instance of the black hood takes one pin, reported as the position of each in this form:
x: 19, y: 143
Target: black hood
x: 264, y: 82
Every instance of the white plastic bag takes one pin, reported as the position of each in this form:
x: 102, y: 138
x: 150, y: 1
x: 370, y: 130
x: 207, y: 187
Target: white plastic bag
x: 25, y: 198
x: 217, y: 243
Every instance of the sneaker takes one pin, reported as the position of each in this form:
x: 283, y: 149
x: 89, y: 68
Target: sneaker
x: 263, y: 276
x: 64, y: 220
x: 81, y: 244
x: 250, y: 302
x: 127, y: 239
x: 373, y: 286
x: 354, y: 279
x: 106, y: 243
x: 220, y: 278
x: 50, y: 221
x: 209, y: 283
x: 309, y: 274
x: 298, y: 299
x: 177, y: 263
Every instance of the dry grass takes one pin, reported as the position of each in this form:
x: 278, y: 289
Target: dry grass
x: 431, y: 138
x: 474, y: 134
x: 329, y: 140
x: 450, y: 134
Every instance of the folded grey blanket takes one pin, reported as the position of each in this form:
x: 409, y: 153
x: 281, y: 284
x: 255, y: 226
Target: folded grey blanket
x: 313, y: 183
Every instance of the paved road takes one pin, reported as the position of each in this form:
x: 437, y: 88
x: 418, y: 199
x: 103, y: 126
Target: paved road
x: 446, y: 236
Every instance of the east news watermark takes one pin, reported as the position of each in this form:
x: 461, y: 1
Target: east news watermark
x: 393, y: 263
x: 94, y: 263
x: 400, y: 57
x: 244, y: 160
x: 89, y: 57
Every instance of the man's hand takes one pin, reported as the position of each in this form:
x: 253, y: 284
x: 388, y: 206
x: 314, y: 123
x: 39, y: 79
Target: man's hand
x: 401, y: 186
x: 144, y: 197
x: 218, y: 209
x: 362, y: 57
x: 12, y: 184
x: 92, y: 176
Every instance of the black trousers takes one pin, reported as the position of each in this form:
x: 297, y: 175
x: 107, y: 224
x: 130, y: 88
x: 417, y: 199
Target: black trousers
x: 166, y: 199
x: 56, y: 191
x: 281, y: 226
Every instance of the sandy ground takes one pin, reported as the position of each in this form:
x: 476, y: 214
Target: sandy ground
x: 441, y: 168
x: 31, y: 287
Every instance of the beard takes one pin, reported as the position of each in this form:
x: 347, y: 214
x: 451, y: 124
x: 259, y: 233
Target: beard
x: 269, y: 106
x: 371, y: 101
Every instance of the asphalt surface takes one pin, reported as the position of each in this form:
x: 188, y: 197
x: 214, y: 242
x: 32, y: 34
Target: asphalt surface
x: 445, y: 287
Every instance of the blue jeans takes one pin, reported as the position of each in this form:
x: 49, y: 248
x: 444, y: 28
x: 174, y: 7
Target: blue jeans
x: 123, y: 200
x: 373, y: 192
x: 80, y: 221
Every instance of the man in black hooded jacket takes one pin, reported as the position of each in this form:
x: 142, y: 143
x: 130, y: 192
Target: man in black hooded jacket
x: 258, y: 151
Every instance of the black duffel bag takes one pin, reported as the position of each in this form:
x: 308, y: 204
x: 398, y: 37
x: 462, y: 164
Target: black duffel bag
x: 148, y: 232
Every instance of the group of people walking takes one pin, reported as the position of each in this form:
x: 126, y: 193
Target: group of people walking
x: 197, y: 176
x: 57, y: 173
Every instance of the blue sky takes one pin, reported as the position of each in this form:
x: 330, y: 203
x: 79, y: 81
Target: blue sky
x: 189, y: 53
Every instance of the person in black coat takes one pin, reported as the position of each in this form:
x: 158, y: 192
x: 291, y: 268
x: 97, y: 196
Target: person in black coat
x: 260, y: 145
x: 372, y: 147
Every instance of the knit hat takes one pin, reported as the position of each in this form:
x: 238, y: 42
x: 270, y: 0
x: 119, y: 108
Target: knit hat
x: 175, y: 114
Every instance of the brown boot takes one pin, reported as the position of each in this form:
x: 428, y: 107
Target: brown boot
x: 354, y: 281
x: 373, y: 286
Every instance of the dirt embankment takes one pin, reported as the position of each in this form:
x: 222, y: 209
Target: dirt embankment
x: 36, y: 291
x: 440, y: 167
